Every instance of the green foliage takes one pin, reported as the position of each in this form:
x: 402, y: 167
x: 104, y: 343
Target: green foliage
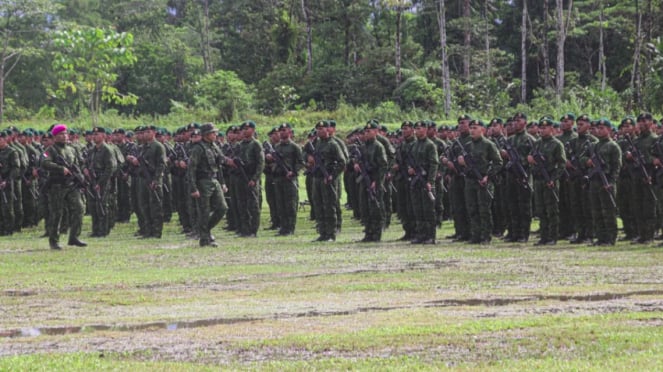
x: 417, y: 92
x: 224, y: 92
x: 86, y: 62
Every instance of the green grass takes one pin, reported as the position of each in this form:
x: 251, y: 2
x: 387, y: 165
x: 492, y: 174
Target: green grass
x: 288, y: 304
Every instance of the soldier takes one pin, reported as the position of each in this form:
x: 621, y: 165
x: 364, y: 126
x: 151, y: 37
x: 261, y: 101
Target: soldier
x: 101, y: 165
x: 500, y: 206
x: 371, y: 163
x: 203, y: 174
x: 643, y: 199
x: 625, y: 182
x: 604, y: 159
x: 64, y: 191
x: 163, y: 136
x: 30, y: 177
x: 270, y: 196
x: 480, y: 162
x: 402, y: 180
x: 326, y: 161
x: 548, y: 161
x: 250, y: 161
x: 344, y: 149
x: 457, y: 183
x: 124, y: 209
x: 152, y: 164
x: 441, y: 147
x: 567, y: 229
x: 9, y: 171
x: 423, y: 169
x: 288, y: 161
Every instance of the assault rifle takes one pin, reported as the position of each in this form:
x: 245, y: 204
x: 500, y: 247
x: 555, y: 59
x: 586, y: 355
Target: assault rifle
x: 599, y: 163
x: 146, y: 173
x: 358, y: 157
x: 540, y: 167
x: 269, y: 150
x: 470, y: 165
x: 419, y: 175
x: 97, y: 196
x: 514, y: 164
x: 238, y: 162
x: 76, y: 174
x: 319, y: 166
x: 639, y: 161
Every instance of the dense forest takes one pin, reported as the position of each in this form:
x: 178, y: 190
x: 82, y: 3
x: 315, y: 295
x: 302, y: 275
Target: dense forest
x: 65, y: 58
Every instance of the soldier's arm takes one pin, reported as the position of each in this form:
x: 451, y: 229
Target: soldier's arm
x: 494, y: 160
x: 191, y: 170
x: 433, y: 161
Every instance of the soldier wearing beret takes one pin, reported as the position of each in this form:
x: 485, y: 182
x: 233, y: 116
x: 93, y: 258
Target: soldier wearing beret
x: 250, y: 161
x: 270, y: 190
x: 548, y: 161
x: 567, y: 227
x: 457, y: 182
x: 101, y: 166
x: 64, y: 192
x: 480, y: 164
x: 604, y: 159
x: 326, y: 162
x: 624, y: 182
x: 423, y: 169
x: 29, y: 184
x: 9, y: 172
x: 204, y: 172
x: 642, y: 197
x: 402, y: 181
x: 288, y: 165
x: 152, y: 163
x: 371, y: 165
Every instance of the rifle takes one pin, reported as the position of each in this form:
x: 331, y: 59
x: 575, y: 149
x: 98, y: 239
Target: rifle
x: 320, y: 166
x: 514, y: 164
x: 640, y: 163
x: 541, y: 168
x: 29, y: 179
x: 357, y: 156
x: 598, y: 169
x: 147, y: 175
x: 269, y: 149
x: 76, y: 174
x: 238, y: 162
x: 97, y: 193
x: 419, y: 175
x: 470, y: 165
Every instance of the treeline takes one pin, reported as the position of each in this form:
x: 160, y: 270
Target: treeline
x: 225, y: 60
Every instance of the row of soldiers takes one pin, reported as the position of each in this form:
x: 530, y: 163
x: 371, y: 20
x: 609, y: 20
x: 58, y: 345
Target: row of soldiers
x: 490, y: 178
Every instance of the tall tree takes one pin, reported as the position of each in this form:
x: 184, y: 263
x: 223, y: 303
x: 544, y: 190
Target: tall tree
x: 467, y: 38
x: 545, y: 49
x: 86, y: 61
x: 306, y: 11
x: 635, y: 74
x: 562, y: 32
x: 523, y: 54
x: 444, y: 56
x: 20, y: 22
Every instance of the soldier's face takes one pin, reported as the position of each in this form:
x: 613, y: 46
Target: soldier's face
x: 476, y: 131
x: 583, y: 125
x: 421, y: 131
x: 61, y: 137
x: 3, y: 142
x: 547, y: 130
x: 407, y: 131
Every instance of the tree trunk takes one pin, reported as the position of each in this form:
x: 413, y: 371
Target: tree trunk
x: 523, y: 54
x: 487, y: 37
x: 446, y: 79
x: 635, y: 74
x: 467, y: 39
x: 602, y: 65
x: 2, y: 91
x: 399, y: 14
x: 204, y: 38
x: 309, y: 37
x: 544, y: 53
x: 562, y: 30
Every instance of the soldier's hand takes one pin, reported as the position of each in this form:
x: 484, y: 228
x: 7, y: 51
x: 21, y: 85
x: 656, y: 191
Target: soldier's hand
x: 569, y: 165
x: 461, y: 160
x: 504, y: 154
x: 269, y: 157
x: 66, y: 171
x: 3, y: 184
x: 290, y: 175
x: 656, y: 162
x: 530, y: 159
x: 451, y: 166
x: 629, y: 155
x: 153, y: 185
x: 181, y: 164
x: 328, y: 179
x: 252, y: 183
x: 590, y: 163
x: 311, y: 161
x: 224, y: 188
x: 373, y: 186
x: 411, y: 171
x: 231, y: 163
x: 195, y: 194
x: 357, y: 168
x: 97, y: 188
x: 395, y: 167
x: 86, y: 172
x: 484, y: 181
x: 551, y: 184
x: 35, y: 173
x: 429, y: 187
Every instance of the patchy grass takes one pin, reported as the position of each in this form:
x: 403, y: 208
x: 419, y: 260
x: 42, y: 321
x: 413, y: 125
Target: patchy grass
x: 276, y: 303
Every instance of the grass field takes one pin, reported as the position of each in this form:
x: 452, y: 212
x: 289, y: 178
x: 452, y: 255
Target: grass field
x: 273, y: 303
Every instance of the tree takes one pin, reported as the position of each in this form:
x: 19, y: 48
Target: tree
x: 444, y: 56
x: 562, y: 31
x: 523, y: 54
x: 225, y: 92
x: 20, y: 21
x: 86, y: 62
